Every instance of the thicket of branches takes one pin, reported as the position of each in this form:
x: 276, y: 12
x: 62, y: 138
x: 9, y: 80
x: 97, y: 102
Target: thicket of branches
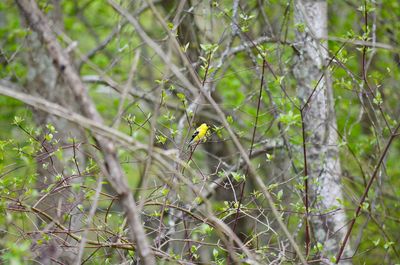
x: 100, y: 98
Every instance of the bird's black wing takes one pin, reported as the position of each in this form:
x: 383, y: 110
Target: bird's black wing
x: 194, y: 135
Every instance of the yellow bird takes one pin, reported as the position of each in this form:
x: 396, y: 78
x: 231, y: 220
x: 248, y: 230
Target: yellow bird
x: 200, y: 133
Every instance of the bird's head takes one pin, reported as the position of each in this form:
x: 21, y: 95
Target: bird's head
x: 203, y: 126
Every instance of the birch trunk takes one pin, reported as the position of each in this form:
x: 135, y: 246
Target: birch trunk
x: 323, y: 163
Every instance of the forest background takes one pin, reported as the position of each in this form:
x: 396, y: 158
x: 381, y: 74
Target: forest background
x: 98, y: 100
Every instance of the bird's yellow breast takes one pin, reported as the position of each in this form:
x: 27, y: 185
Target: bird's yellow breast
x: 200, y: 133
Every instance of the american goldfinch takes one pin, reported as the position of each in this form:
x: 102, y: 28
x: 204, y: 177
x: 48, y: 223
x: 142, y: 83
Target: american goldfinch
x: 199, y: 133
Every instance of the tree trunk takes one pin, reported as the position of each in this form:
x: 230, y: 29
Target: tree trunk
x: 319, y: 118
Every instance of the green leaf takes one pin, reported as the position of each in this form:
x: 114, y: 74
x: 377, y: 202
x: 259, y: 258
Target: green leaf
x: 17, y: 120
x: 290, y: 118
x: 269, y: 157
x: 194, y: 248
x: 300, y: 27
x: 388, y: 244
x: 378, y: 99
x: 165, y: 191
x: 238, y: 177
x: 205, y: 229
x: 198, y: 200
x: 215, y: 253
x: 279, y: 195
x: 365, y: 206
x: 181, y: 96
x: 170, y: 25
x: 161, y: 139
x: 51, y: 128
x: 186, y: 47
x: 320, y: 247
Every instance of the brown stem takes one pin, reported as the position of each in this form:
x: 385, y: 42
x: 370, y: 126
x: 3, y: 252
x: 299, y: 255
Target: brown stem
x: 306, y: 204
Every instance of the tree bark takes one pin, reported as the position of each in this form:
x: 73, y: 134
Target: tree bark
x: 315, y: 93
